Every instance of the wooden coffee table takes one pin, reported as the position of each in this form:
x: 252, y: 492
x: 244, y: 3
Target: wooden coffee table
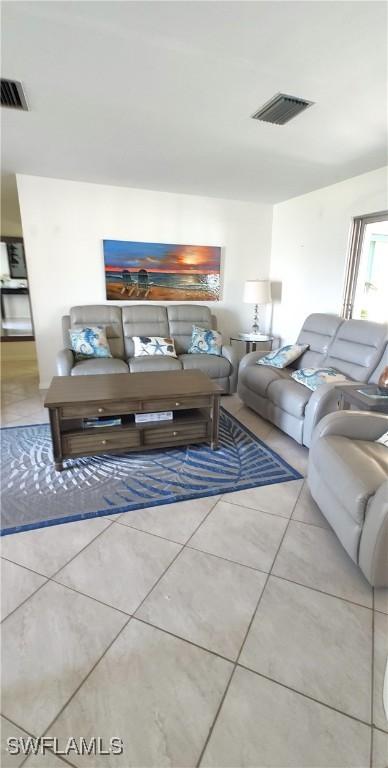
x: 71, y: 400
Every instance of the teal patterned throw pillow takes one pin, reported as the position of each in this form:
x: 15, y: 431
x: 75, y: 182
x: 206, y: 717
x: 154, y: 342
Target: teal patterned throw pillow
x: 89, y: 342
x: 314, y: 377
x: 204, y: 341
x: 282, y: 357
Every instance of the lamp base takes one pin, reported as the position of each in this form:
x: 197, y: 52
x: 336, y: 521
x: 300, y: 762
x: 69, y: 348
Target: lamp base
x: 255, y: 326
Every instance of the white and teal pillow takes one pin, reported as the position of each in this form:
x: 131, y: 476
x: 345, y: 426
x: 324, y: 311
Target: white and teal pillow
x: 89, y: 342
x: 153, y: 345
x: 314, y: 377
x: 284, y: 356
x: 383, y: 439
x: 205, y: 341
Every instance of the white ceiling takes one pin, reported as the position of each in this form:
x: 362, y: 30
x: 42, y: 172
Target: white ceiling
x: 159, y: 94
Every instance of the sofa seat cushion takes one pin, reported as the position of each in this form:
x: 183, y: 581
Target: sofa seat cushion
x: 99, y: 365
x: 290, y: 396
x: 153, y: 363
x: 215, y: 366
x: 259, y: 377
x: 355, y: 469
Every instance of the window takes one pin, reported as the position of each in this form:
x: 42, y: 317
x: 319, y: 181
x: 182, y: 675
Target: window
x: 366, y: 280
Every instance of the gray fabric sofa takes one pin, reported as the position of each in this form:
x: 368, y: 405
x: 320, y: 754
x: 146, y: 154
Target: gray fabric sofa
x: 356, y: 505
x: 355, y: 348
x: 122, y: 323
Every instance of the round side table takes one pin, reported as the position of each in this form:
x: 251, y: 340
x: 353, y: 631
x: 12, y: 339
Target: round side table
x: 252, y: 339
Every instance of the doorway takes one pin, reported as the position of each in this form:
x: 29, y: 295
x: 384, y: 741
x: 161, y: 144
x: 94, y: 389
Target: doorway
x: 366, y: 280
x: 16, y: 317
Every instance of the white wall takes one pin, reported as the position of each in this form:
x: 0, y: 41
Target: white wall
x: 64, y: 223
x: 309, y: 247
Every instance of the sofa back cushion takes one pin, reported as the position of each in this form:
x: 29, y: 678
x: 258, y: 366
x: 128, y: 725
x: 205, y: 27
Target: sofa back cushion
x: 143, y: 320
x: 181, y: 318
x: 318, y: 331
x: 357, y: 348
x: 97, y: 314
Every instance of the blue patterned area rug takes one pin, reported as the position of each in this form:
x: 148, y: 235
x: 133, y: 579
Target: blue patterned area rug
x: 35, y: 495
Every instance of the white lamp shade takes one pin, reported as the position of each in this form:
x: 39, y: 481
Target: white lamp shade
x: 257, y: 292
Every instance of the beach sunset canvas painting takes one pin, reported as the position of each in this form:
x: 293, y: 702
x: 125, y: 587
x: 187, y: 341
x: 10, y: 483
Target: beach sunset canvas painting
x: 161, y: 272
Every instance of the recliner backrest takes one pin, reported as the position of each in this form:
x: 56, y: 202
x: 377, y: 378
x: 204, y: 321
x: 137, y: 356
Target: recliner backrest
x: 143, y: 320
x: 383, y: 363
x: 318, y: 331
x: 181, y: 318
x: 97, y: 314
x: 357, y: 348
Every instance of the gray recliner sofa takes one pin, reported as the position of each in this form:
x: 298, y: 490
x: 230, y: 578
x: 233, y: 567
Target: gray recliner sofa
x: 355, y: 348
x: 123, y: 323
x: 356, y: 505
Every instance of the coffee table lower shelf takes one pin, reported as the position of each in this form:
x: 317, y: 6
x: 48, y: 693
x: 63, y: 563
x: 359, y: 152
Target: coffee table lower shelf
x: 186, y: 428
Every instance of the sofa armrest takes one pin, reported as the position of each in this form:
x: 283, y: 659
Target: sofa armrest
x: 357, y: 425
x: 326, y: 399
x: 251, y: 358
x: 64, y: 362
x: 373, y: 559
x: 230, y: 353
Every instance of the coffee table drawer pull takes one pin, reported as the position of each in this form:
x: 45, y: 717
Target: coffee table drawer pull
x: 90, y: 443
x: 169, y: 404
x: 187, y: 432
x: 85, y: 410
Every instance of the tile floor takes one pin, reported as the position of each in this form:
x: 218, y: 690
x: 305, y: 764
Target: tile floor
x: 230, y: 631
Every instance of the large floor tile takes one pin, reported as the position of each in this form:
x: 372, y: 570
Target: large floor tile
x: 17, y: 584
x: 263, y: 725
x: 43, y: 759
x: 380, y: 668
x: 231, y: 403
x: 155, y: 692
x: 380, y: 749
x: 9, y: 398
x: 31, y: 413
x: 25, y: 407
x: 8, y: 730
x: 314, y: 557
x: 294, y: 453
x: 206, y: 600
x: 315, y: 643
x: 307, y: 511
x: 49, y: 645
x: 45, y: 550
x: 252, y: 421
x: 172, y: 521
x: 35, y: 418
x: 247, y: 536
x: 46, y: 760
x: 120, y: 567
x: 278, y: 499
x: 381, y: 600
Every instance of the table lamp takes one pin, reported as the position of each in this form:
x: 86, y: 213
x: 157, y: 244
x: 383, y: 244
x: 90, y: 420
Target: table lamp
x: 257, y: 292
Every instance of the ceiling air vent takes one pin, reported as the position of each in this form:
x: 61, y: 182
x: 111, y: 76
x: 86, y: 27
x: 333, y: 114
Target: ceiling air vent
x: 281, y: 108
x: 12, y: 95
